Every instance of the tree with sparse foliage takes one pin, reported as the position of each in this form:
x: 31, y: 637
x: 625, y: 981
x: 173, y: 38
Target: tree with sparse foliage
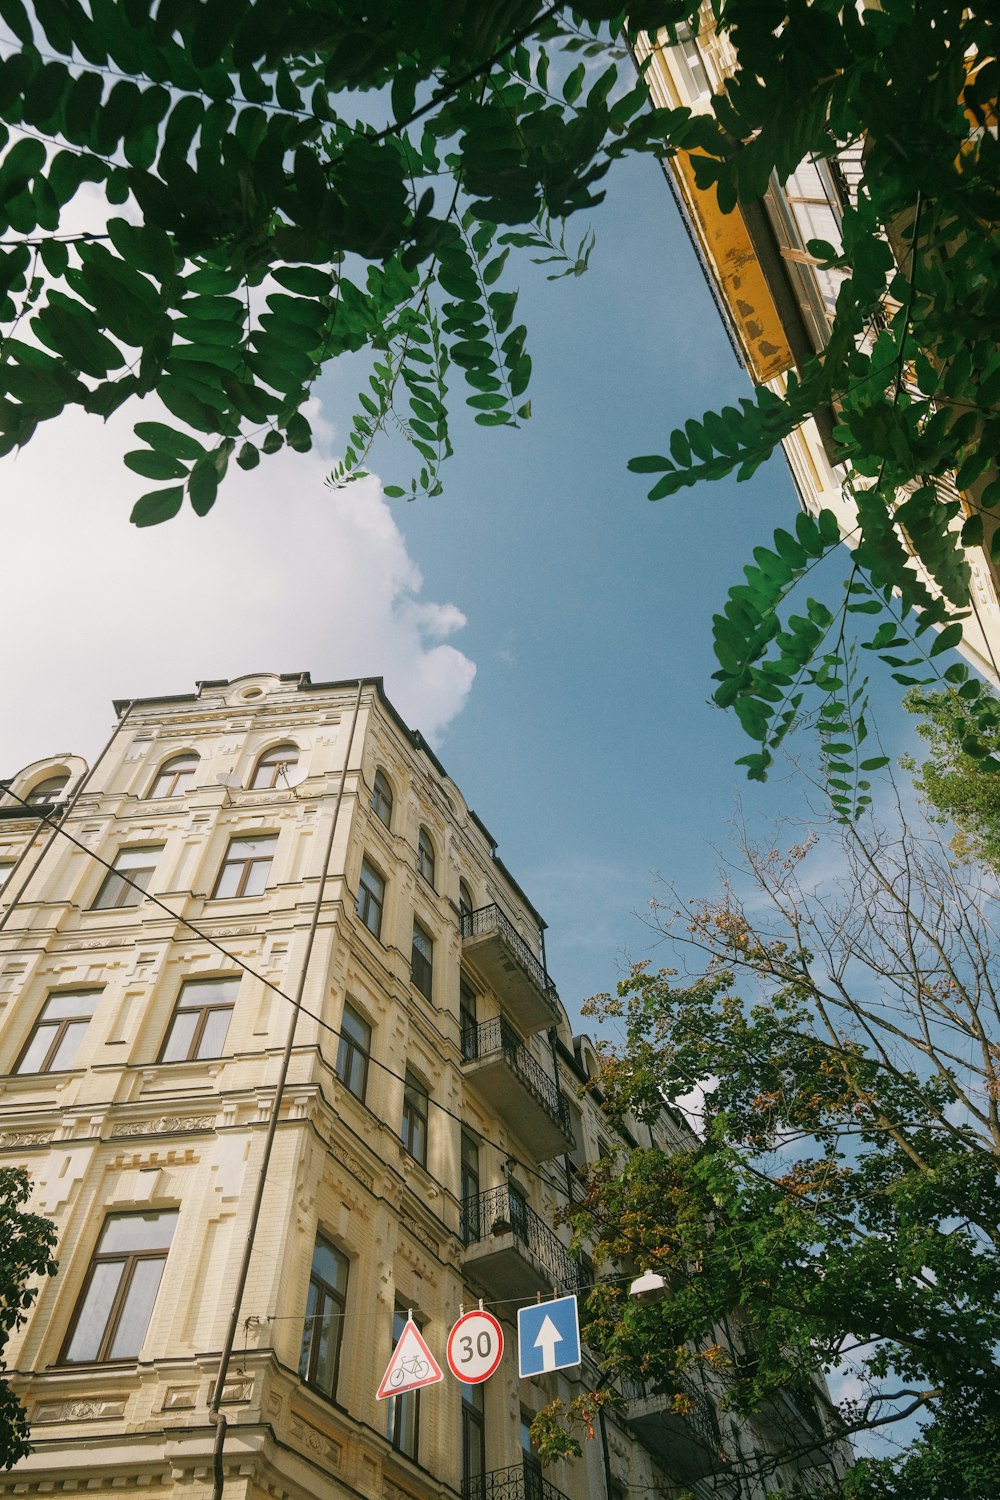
x: 213, y: 200
x: 836, y: 1208
x: 26, y: 1244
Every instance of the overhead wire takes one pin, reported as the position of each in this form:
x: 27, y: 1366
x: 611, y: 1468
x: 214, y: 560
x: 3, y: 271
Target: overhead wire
x: 269, y: 984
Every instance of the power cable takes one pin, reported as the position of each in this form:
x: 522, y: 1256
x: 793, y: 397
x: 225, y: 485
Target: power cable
x: 269, y: 984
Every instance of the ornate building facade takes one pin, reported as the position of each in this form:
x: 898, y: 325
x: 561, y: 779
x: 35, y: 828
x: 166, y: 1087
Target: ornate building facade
x: 282, y: 1057
x: 777, y: 303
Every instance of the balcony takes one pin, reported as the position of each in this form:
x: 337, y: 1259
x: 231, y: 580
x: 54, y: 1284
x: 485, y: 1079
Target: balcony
x: 520, y: 1482
x: 492, y: 942
x: 512, y: 1251
x: 500, y: 1067
x: 686, y: 1442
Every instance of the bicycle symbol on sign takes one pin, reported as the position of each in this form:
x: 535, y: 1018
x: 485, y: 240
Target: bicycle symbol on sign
x: 414, y: 1367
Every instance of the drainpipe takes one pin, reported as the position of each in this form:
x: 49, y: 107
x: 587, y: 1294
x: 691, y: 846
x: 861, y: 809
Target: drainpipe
x: 215, y: 1415
x: 54, y: 827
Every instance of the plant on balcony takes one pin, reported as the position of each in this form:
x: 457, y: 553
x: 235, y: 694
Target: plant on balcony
x: 836, y: 1206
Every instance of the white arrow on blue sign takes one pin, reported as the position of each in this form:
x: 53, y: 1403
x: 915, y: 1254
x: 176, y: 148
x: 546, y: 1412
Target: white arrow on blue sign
x: 548, y: 1337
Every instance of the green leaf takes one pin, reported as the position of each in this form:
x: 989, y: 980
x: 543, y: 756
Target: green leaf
x: 157, y: 506
x: 152, y: 465
x: 168, y: 440
x: 948, y: 638
x: 203, y: 485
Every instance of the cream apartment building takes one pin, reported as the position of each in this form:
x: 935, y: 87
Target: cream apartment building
x: 266, y: 920
x: 775, y: 302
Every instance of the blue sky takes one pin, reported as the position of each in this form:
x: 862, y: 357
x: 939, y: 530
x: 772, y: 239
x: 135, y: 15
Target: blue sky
x: 546, y: 625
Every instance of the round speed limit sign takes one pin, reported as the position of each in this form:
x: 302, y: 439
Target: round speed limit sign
x: 475, y: 1347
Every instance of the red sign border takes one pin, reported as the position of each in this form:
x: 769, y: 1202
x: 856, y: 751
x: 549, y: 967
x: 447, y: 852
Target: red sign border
x: 475, y: 1312
x: 386, y: 1393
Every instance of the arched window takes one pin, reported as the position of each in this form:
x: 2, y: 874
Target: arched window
x: 47, y: 790
x: 382, y: 799
x: 465, y: 903
x: 175, y: 775
x: 425, y: 856
x: 273, y: 766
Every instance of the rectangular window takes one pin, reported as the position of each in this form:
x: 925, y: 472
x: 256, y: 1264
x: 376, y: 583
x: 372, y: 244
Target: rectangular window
x: 246, y: 866
x: 371, y: 898
x: 126, y: 884
x: 414, y: 1128
x: 6, y: 865
x: 113, y: 1313
x: 326, y: 1306
x: 58, y: 1032
x: 200, y: 1020
x: 468, y: 1020
x: 402, y: 1426
x: 354, y: 1051
x: 422, y: 960
x: 473, y: 1442
x: 469, y: 1190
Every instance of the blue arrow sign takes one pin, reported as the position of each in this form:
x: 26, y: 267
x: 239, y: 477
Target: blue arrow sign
x: 548, y: 1337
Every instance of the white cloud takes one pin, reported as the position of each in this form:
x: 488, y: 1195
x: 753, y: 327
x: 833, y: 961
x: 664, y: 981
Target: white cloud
x: 283, y: 575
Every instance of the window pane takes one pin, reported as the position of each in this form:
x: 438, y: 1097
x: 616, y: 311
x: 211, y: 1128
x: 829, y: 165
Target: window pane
x: 138, y: 1232
x: 256, y: 879
x: 326, y: 1344
x: 309, y: 1330
x: 46, y: 790
x: 133, y: 1320
x: 136, y: 859
x: 209, y: 991
x: 37, y: 1049
x: 213, y: 1038
x: 65, y: 1053
x: 252, y: 846
x: 228, y: 881
x: 96, y: 1309
x: 115, y: 893
x: 331, y: 1264
x: 178, y: 1044
x: 70, y: 1005
x: 382, y: 799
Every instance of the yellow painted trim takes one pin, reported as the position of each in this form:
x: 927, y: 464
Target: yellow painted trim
x: 727, y: 244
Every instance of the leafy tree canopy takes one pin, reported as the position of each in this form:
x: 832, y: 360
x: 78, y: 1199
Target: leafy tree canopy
x: 951, y: 780
x: 214, y: 199
x: 836, y: 1209
x: 26, y: 1244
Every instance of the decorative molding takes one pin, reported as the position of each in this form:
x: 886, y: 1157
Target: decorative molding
x: 316, y: 1441
x: 79, y: 1411
x: 428, y: 1242
x: 165, y: 1125
x: 180, y: 1397
x: 237, y: 1390
x: 11, y: 1138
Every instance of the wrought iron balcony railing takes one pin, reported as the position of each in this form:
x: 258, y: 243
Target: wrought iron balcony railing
x: 695, y: 1413
x: 522, y: 1481
x: 502, y: 1210
x: 497, y: 1036
x: 489, y: 920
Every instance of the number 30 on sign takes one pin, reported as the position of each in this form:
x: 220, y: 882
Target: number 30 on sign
x: 475, y: 1347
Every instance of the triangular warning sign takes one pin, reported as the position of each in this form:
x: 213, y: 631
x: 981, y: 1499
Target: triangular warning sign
x: 411, y: 1366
